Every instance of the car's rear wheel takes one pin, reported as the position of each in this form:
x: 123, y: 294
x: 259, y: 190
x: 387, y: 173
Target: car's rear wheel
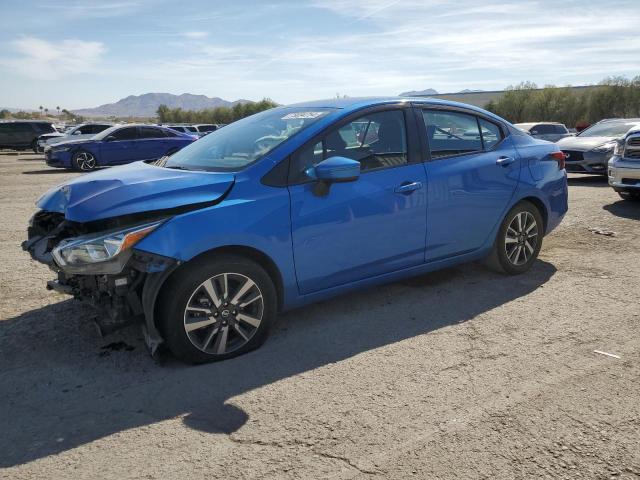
x: 83, y: 161
x: 634, y: 196
x: 519, y: 240
x: 216, y: 310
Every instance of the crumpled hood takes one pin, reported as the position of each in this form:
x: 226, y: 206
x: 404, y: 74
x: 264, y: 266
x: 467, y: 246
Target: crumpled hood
x: 137, y: 187
x: 583, y: 144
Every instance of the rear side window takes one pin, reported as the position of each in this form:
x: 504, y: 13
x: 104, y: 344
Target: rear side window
x: 151, y: 132
x: 491, y: 134
x: 127, y: 133
x: 43, y: 127
x: 560, y: 129
x: 543, y: 129
x: 85, y: 130
x: 207, y: 128
x: 451, y: 133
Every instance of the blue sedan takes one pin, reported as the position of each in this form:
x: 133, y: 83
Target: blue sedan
x: 294, y: 205
x: 116, y: 146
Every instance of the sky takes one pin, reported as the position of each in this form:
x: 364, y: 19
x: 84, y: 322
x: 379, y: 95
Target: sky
x: 76, y: 54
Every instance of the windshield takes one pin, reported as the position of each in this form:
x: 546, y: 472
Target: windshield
x: 608, y: 129
x: 245, y: 141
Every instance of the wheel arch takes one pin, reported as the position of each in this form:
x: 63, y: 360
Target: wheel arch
x: 539, y: 204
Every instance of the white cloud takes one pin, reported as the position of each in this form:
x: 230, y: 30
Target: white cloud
x: 83, y: 9
x: 40, y: 59
x: 195, y: 35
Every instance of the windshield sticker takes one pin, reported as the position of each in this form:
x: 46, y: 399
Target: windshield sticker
x: 302, y: 115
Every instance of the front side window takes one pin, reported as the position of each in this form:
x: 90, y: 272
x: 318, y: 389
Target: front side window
x: 127, y: 133
x: 377, y: 140
x: 451, y: 133
x: 246, y: 141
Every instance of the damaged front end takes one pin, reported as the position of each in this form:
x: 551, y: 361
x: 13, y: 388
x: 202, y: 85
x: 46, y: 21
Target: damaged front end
x: 96, y: 262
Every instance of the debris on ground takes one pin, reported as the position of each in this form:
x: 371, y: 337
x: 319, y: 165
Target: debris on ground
x: 606, y: 353
x: 603, y: 231
x: 115, y: 347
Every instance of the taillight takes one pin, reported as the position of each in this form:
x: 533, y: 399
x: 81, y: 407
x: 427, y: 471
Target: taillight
x: 559, y: 157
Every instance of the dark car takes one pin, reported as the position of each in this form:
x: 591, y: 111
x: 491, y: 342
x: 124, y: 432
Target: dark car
x: 550, y: 131
x: 116, y: 146
x: 591, y: 149
x: 23, y: 134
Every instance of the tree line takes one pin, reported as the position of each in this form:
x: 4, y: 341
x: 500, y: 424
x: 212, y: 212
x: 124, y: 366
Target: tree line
x: 214, y: 115
x: 614, y: 97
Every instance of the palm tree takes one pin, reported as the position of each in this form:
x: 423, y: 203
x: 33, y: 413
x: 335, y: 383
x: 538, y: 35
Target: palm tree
x: 41, y: 108
x: 58, y: 108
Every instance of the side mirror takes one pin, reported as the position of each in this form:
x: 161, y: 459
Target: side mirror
x: 77, y: 132
x: 110, y: 138
x: 333, y: 170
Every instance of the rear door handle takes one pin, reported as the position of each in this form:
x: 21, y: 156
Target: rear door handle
x: 408, y: 187
x: 504, y: 161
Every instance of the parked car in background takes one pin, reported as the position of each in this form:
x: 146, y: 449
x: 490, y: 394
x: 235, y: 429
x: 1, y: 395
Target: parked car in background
x: 550, y: 131
x: 117, y: 145
x: 590, y: 150
x: 23, y: 134
x: 189, y: 129
x: 86, y: 130
x: 210, y: 243
x: 624, y: 166
x: 205, y: 128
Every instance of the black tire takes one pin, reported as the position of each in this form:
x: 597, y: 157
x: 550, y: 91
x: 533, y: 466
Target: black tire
x: 502, y: 257
x: 186, y: 289
x: 83, y: 161
x: 633, y: 196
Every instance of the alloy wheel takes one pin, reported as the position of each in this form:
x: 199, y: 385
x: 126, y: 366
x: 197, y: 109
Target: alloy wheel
x: 521, y: 238
x: 85, y: 161
x: 223, y: 313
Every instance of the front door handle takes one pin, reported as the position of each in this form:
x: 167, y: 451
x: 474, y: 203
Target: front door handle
x: 408, y: 187
x: 504, y: 161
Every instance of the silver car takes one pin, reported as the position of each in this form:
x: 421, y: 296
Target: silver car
x: 624, y: 167
x: 86, y: 130
x: 590, y: 150
x: 550, y: 131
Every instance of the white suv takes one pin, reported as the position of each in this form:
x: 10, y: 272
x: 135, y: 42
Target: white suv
x: 624, y: 167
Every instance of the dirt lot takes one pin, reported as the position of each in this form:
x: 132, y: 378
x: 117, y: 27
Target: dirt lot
x: 459, y: 374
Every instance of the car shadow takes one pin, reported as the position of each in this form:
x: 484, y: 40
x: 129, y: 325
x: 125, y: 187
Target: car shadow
x: 625, y: 209
x: 64, y: 387
x: 578, y: 180
x: 47, y: 172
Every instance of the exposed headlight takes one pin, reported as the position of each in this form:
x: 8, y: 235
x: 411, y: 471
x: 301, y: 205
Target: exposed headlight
x: 94, y: 249
x: 606, y: 147
x: 61, y: 148
x: 619, y: 150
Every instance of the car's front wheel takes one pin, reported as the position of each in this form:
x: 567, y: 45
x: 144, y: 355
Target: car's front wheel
x: 83, y: 161
x: 218, y: 309
x: 519, y: 240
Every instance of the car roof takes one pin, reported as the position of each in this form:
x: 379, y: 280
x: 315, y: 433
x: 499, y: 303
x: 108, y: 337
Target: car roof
x: 356, y: 103
x: 531, y: 124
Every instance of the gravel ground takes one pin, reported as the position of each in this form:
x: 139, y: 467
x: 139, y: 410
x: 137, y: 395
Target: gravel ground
x: 462, y: 373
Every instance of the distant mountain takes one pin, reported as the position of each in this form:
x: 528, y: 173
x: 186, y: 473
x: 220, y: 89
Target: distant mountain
x: 147, y: 104
x: 428, y: 91
x: 466, y: 90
